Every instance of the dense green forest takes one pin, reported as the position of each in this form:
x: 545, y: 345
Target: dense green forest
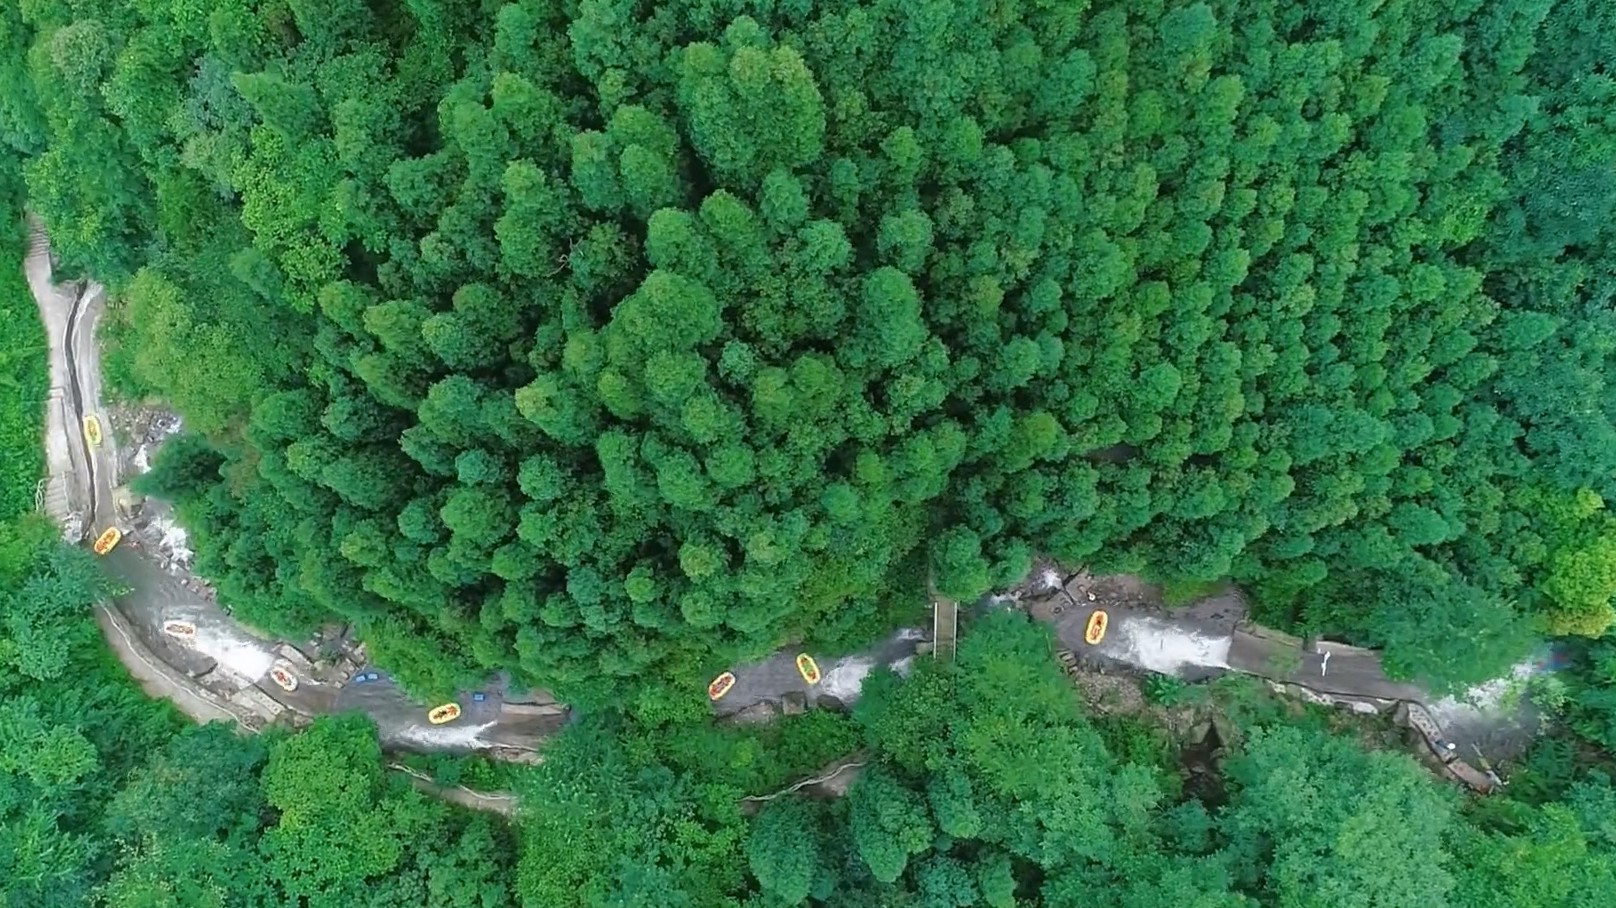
x: 72, y: 724
x: 107, y: 799
x: 602, y: 340
x: 984, y: 784
x: 606, y: 341
x: 23, y: 377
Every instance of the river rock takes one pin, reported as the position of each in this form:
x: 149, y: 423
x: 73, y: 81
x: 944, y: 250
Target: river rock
x: 293, y: 655
x: 515, y: 755
x: 202, y: 668
x: 532, y: 709
x: 532, y: 696
x: 756, y: 714
x: 794, y: 703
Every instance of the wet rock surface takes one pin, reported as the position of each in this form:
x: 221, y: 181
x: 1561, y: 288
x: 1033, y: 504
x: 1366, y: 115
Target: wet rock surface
x: 138, y: 431
x: 756, y: 714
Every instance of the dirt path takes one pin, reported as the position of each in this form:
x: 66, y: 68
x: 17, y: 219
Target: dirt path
x: 500, y: 802
x: 840, y: 775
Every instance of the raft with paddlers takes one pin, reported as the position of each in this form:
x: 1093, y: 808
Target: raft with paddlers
x: 92, y: 431
x: 1095, y: 632
x: 720, y: 685
x: 184, y: 630
x: 448, y: 712
x: 107, y: 541
x: 808, y: 668
x: 282, y: 675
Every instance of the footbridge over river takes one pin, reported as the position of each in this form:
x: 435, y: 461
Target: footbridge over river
x: 944, y: 627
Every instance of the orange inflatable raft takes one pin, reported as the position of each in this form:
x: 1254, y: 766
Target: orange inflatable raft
x: 107, y: 541
x: 720, y: 685
x: 1095, y: 632
x: 183, y: 630
x: 283, y: 677
x: 808, y: 668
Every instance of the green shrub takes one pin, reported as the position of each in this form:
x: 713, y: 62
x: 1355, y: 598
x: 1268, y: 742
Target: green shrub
x: 23, y: 382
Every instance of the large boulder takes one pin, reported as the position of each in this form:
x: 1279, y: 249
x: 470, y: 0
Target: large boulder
x: 755, y: 714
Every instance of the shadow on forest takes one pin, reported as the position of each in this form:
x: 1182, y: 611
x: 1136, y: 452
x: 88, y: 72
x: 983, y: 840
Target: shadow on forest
x: 1201, y: 764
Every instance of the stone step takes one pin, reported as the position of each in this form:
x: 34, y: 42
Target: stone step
x: 52, y: 498
x: 38, y: 242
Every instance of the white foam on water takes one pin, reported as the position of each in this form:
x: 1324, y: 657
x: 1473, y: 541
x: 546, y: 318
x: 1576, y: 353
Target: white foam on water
x: 469, y: 737
x: 1049, y: 580
x: 174, y: 542
x: 846, y: 677
x: 223, y: 642
x: 910, y: 633
x: 1484, y: 700
x: 903, y: 666
x: 1164, y: 648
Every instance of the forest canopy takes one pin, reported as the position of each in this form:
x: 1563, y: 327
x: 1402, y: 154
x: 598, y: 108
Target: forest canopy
x: 982, y: 784
x: 611, y: 339
x: 986, y: 784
